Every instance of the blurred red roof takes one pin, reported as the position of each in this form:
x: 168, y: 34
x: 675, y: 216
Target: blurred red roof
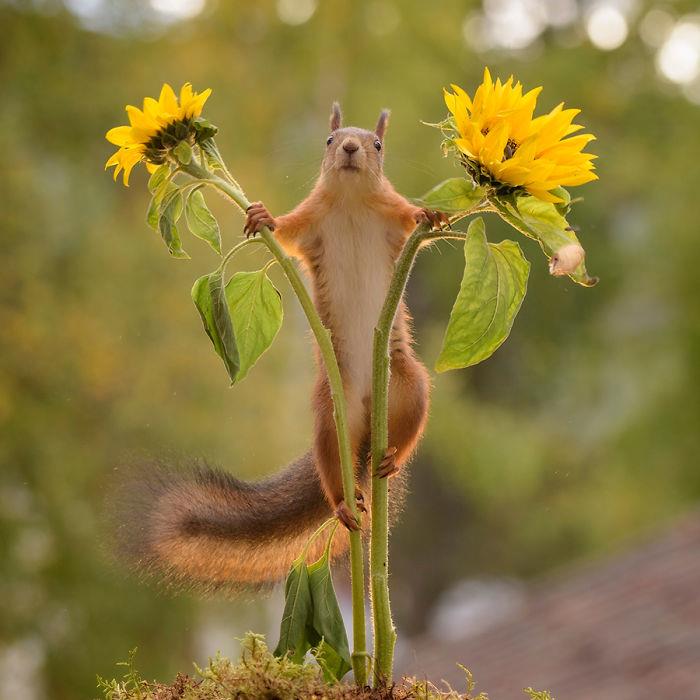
x: 626, y: 628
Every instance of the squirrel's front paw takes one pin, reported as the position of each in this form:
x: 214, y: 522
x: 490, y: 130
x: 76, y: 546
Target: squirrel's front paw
x: 257, y: 216
x: 343, y: 513
x: 436, y: 219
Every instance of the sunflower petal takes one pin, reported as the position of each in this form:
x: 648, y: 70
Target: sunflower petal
x: 120, y: 136
x: 167, y: 100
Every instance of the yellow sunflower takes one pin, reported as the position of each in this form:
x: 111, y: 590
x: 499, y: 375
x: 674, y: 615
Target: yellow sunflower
x: 157, y: 128
x: 503, y: 146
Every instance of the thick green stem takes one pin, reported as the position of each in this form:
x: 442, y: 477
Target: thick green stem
x: 384, y: 631
x: 360, y: 656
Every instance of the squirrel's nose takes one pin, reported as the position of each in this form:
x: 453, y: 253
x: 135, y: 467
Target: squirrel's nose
x: 350, y: 147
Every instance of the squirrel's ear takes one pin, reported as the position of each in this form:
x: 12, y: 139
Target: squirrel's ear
x: 382, y: 124
x: 336, y: 116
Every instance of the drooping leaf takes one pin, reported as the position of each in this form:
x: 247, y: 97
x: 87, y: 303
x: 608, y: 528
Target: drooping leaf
x: 453, y: 196
x: 256, y: 310
x: 297, y: 612
x: 162, y: 188
x: 333, y: 652
x: 333, y: 666
x: 210, y: 299
x: 158, y: 177
x: 183, y: 152
x: 544, y: 222
x: 201, y: 221
x: 168, y: 215
x: 490, y: 295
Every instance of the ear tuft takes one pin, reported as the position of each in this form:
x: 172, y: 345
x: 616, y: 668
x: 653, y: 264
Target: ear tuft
x: 382, y: 124
x: 336, y: 116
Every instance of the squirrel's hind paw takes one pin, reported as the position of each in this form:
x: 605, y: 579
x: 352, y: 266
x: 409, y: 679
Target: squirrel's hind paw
x: 344, y: 514
x: 388, y: 467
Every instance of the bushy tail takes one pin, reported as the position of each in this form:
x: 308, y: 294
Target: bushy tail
x: 202, y: 527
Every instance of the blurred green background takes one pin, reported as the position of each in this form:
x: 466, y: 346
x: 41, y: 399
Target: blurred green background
x: 581, y: 431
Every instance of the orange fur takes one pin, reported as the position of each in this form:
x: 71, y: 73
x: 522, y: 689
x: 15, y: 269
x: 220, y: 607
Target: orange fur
x: 302, y: 233
x: 203, y: 527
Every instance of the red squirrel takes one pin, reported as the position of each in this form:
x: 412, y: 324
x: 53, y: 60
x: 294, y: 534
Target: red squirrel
x: 205, y: 527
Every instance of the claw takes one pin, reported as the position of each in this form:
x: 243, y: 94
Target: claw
x: 257, y: 216
x: 343, y: 513
x: 388, y: 467
x: 436, y: 219
x: 360, y: 500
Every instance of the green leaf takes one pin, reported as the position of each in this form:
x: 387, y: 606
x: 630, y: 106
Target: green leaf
x: 333, y: 653
x: 256, y: 309
x: 453, y: 196
x: 168, y: 214
x: 333, y: 666
x: 543, y: 222
x: 201, y: 221
x: 183, y: 152
x: 158, y: 177
x: 297, y: 611
x: 162, y: 187
x: 210, y: 299
x: 492, y: 290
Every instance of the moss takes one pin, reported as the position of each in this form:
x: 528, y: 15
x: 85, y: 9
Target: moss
x: 258, y: 675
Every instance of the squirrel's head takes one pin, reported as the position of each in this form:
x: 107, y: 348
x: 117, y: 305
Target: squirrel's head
x: 352, y: 154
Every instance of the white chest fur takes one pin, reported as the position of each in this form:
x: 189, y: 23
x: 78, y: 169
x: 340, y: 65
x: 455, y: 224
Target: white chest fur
x: 357, y: 264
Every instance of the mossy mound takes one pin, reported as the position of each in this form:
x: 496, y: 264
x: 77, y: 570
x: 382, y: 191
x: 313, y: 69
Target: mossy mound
x: 259, y: 675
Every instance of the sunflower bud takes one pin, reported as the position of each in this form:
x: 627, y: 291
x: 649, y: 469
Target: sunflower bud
x: 566, y: 259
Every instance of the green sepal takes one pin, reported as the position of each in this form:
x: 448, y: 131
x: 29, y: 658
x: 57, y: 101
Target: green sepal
x: 543, y: 222
x: 201, y: 221
x: 490, y: 295
x: 183, y: 152
x: 563, y: 207
x: 204, y: 129
x: 454, y: 196
x: 210, y: 299
x: 256, y: 310
x: 211, y: 154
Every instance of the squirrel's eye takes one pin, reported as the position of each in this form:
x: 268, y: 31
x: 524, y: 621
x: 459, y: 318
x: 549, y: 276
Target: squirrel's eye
x: 378, y: 145
x: 329, y: 141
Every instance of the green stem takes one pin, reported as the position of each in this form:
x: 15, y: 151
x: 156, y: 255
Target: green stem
x: 384, y: 631
x: 236, y: 248
x: 323, y: 338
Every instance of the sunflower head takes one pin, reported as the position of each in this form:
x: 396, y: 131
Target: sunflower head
x: 155, y: 131
x: 502, y: 146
